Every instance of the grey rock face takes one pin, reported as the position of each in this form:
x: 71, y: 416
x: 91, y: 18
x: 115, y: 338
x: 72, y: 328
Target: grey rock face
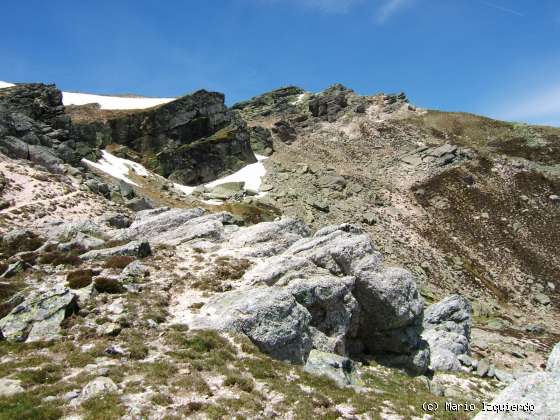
x: 540, y: 390
x: 140, y: 249
x: 334, y: 311
x: 447, y: 329
x: 270, y: 317
x: 39, y: 316
x: 149, y: 223
x: 32, y: 121
x: 329, y: 103
x: 269, y: 238
x: 553, y: 364
x: 338, y: 368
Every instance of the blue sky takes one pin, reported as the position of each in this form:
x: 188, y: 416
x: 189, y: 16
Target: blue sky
x: 498, y: 57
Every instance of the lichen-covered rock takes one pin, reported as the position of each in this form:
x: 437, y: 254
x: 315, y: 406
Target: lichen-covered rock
x: 447, y: 329
x: 269, y: 238
x: 333, y: 309
x: 97, y: 386
x: 140, y: 249
x: 271, y: 318
x: 81, y: 241
x: 338, y: 368
x: 149, y: 223
x: 39, y: 316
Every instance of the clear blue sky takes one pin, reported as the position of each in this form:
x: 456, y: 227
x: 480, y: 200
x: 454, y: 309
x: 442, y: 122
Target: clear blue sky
x: 497, y: 57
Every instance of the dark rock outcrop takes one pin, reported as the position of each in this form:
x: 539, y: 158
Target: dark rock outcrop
x: 192, y: 140
x: 33, y: 125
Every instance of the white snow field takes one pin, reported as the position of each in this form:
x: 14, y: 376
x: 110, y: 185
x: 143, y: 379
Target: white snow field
x: 106, y: 102
x: 112, y: 102
x: 119, y: 168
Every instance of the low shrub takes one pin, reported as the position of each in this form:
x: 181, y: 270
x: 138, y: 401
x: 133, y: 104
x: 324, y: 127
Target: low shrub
x: 79, y: 278
x: 108, y: 285
x: 118, y: 261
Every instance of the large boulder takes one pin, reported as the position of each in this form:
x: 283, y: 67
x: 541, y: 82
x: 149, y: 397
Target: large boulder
x: 149, y: 223
x: 271, y: 318
x: 336, y: 280
x: 392, y: 311
x: 39, y: 316
x: 447, y: 329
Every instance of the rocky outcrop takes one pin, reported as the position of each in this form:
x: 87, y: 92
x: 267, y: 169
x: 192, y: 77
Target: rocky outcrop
x: 192, y: 140
x: 333, y: 283
x: 33, y: 125
x: 39, y: 316
x: 328, y: 104
x: 447, y: 329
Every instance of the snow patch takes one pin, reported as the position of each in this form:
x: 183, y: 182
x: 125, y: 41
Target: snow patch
x: 117, y: 167
x: 299, y: 99
x: 112, y: 102
x: 251, y: 175
x: 106, y: 102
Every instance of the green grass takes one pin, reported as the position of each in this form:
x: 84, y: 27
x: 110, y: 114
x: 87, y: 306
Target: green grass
x: 48, y: 374
x: 103, y: 407
x: 27, y: 406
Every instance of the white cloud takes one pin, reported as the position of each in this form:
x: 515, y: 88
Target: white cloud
x: 388, y: 9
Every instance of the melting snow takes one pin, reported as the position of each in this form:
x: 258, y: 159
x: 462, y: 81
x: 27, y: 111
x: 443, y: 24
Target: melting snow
x: 251, y: 175
x: 112, y: 102
x: 106, y: 102
x: 117, y: 167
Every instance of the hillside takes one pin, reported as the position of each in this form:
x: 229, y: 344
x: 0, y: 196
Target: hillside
x: 296, y: 255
